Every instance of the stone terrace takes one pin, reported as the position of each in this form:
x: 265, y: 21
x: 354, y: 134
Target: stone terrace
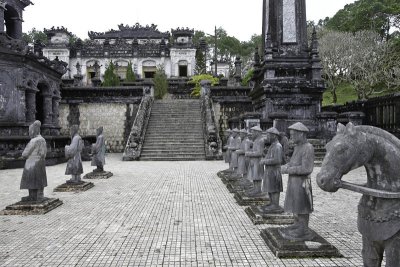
x: 160, y: 214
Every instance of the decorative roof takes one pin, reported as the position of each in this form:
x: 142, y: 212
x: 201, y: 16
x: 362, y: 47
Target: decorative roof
x: 130, y: 32
x: 53, y: 30
x: 182, y: 32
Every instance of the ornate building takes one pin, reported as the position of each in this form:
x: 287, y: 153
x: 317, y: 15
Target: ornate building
x: 144, y: 46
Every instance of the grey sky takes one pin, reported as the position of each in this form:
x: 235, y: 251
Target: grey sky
x: 239, y: 18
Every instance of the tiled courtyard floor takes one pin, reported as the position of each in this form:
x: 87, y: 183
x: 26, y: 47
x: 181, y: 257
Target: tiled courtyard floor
x: 160, y: 214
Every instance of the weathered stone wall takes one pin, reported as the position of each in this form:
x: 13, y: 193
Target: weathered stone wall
x: 112, y: 116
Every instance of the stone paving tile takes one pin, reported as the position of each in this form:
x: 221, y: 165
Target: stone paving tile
x: 160, y: 214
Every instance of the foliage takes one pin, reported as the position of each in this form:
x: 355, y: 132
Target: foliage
x: 380, y: 16
x: 160, y: 83
x: 33, y: 35
x: 130, y: 76
x: 110, y: 78
x: 247, y: 78
x: 196, y: 79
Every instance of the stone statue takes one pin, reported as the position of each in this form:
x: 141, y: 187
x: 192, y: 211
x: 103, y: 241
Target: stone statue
x: 244, y: 146
x: 272, y: 182
x: 255, y: 169
x: 284, y: 141
x: 234, y: 145
x: 229, y: 139
x: 73, y: 154
x: 379, y: 207
x: 34, y: 176
x: 99, y: 151
x: 299, y: 199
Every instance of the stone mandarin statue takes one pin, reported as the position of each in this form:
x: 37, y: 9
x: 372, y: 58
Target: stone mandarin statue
x: 272, y: 182
x: 34, y: 176
x: 234, y: 145
x: 255, y: 169
x: 299, y: 199
x: 379, y: 207
x: 73, y: 154
x: 99, y: 151
x: 242, y: 168
x: 229, y: 139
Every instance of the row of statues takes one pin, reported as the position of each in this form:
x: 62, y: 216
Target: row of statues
x: 262, y: 172
x: 34, y: 176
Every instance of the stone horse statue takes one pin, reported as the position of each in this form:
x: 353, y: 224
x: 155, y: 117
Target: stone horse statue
x: 379, y: 208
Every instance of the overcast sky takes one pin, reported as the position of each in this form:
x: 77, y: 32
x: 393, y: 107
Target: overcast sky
x: 239, y: 18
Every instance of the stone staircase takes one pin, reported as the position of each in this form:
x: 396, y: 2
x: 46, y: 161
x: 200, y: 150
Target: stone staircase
x: 319, y: 151
x: 174, y: 132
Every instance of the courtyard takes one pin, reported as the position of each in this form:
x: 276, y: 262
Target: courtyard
x: 161, y: 214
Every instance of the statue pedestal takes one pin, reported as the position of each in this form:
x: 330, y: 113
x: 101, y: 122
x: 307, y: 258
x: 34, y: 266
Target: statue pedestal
x: 71, y: 187
x: 239, y: 185
x: 228, y: 176
x: 283, y: 248
x: 32, y: 207
x: 244, y: 200
x: 98, y: 175
x: 258, y: 217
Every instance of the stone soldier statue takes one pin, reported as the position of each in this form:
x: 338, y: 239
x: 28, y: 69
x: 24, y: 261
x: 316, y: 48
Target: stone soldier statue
x: 235, y: 144
x: 99, y: 151
x: 241, y: 153
x: 255, y: 169
x: 34, y: 176
x: 248, y: 148
x: 73, y: 154
x: 272, y: 182
x: 299, y: 199
x: 229, y: 139
x: 284, y: 141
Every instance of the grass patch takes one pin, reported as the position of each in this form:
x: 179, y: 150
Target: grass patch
x: 345, y: 93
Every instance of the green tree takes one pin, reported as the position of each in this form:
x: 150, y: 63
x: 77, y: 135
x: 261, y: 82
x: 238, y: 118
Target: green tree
x: 33, y: 35
x: 110, y: 78
x: 247, y: 78
x: 160, y: 83
x: 196, y: 79
x: 380, y: 16
x: 130, y: 76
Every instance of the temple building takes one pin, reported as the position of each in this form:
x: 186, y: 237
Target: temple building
x: 144, y: 46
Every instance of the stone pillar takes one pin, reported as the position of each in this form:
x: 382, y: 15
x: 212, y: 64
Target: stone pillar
x: 55, y: 106
x: 2, y: 9
x: 327, y: 122
x: 205, y: 87
x: 279, y: 121
x: 30, y: 104
x: 17, y: 28
x: 148, y: 87
x: 47, y: 109
x: 355, y: 117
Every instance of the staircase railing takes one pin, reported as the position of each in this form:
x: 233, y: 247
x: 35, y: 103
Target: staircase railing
x: 136, y: 137
x: 213, y: 143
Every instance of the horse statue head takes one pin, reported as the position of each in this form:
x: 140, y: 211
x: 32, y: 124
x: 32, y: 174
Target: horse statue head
x: 355, y: 146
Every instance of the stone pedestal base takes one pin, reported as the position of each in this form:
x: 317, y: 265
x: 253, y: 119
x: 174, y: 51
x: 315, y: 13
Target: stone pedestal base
x: 69, y: 187
x: 243, y: 200
x: 258, y: 217
x: 32, y: 208
x: 224, y: 173
x: 235, y: 187
x: 98, y: 175
x: 283, y: 248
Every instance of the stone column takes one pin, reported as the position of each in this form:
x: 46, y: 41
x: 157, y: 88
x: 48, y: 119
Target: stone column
x: 327, y: 124
x: 148, y: 87
x: 355, y: 117
x: 279, y: 121
x: 55, y: 106
x: 47, y: 109
x: 17, y: 26
x: 2, y: 9
x: 30, y: 104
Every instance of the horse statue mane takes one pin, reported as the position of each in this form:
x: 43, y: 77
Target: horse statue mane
x: 379, y: 132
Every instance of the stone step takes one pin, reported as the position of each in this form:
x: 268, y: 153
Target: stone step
x: 173, y: 159
x: 147, y: 151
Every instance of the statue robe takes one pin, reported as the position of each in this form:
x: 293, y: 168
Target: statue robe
x: 256, y: 171
x: 272, y: 182
x: 99, y: 152
x: 73, y: 154
x: 34, y: 173
x: 299, y: 199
